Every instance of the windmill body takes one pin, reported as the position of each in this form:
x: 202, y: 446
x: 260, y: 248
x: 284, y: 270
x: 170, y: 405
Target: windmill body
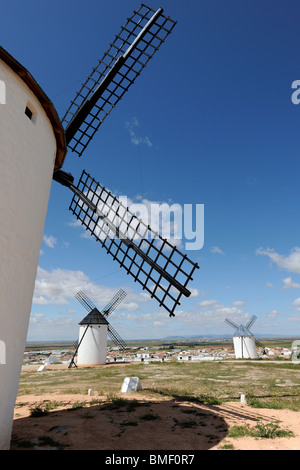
x: 244, y: 344
x: 243, y: 340
x: 92, y: 339
x: 32, y: 145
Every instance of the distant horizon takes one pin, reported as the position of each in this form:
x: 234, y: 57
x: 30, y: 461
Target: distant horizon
x: 224, y: 337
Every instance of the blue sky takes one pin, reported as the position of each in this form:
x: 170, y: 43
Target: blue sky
x: 213, y: 123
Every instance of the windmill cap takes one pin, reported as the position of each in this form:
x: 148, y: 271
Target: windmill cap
x: 94, y: 318
x: 22, y: 72
x: 242, y: 331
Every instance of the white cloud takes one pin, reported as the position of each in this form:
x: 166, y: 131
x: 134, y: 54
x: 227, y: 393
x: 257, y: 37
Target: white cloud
x: 272, y: 314
x: 289, y: 284
x: 270, y: 285
x: 296, y: 303
x: 41, y: 327
x: 49, y: 241
x: 194, y: 292
x: 74, y: 223
x: 132, y: 127
x: 59, y: 286
x: 238, y: 303
x: 41, y: 300
x: 217, y: 312
x: 289, y: 263
x: 207, y: 303
x: 210, y: 318
x: 294, y: 318
x: 216, y: 249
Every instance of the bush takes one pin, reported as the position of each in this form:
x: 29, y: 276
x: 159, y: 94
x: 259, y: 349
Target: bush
x: 266, y: 431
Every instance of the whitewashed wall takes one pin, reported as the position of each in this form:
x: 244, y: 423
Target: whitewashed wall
x: 27, y: 154
x: 244, y: 347
x: 93, y: 348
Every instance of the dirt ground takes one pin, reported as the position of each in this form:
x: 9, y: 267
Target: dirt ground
x: 143, y: 424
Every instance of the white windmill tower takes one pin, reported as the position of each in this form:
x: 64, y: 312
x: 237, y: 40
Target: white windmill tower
x: 91, y: 348
x: 32, y: 146
x: 243, y: 339
x: 32, y: 153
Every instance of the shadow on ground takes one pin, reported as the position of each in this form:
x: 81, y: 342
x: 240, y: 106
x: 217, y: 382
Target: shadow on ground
x: 124, y: 425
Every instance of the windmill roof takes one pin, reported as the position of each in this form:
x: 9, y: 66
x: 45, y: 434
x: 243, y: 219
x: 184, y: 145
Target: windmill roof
x: 94, y: 318
x: 46, y: 103
x: 242, y: 331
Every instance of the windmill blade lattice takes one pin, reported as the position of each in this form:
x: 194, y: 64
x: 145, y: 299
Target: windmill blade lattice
x: 115, y: 301
x: 260, y: 344
x: 251, y: 321
x: 155, y: 263
x: 129, y: 53
x: 115, y: 337
x: 231, y: 323
x: 85, y: 301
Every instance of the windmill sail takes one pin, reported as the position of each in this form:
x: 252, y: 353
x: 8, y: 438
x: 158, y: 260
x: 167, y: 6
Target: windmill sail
x: 231, y: 323
x: 115, y: 337
x: 129, y: 53
x: 251, y: 321
x: 161, y: 269
x: 85, y: 301
x: 155, y: 263
x: 115, y: 301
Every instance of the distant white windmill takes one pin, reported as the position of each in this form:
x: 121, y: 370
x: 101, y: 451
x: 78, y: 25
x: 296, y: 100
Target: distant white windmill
x: 94, y: 328
x: 243, y: 339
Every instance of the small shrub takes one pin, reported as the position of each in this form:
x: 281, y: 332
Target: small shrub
x: 78, y: 404
x: 149, y: 417
x: 271, y: 430
x: 266, y: 431
x: 239, y: 431
x: 185, y: 424
x: 39, y: 410
x: 227, y: 447
x: 115, y: 404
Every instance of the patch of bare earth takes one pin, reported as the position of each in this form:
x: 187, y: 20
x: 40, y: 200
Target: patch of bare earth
x: 83, y: 422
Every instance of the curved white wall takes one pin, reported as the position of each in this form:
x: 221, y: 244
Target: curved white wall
x: 93, y: 348
x: 244, y: 347
x: 27, y: 155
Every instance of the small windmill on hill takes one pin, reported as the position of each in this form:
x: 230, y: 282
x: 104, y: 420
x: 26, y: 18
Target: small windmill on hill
x: 161, y: 269
x: 243, y: 339
x: 94, y: 328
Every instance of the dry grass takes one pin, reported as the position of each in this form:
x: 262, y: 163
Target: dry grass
x: 273, y: 385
